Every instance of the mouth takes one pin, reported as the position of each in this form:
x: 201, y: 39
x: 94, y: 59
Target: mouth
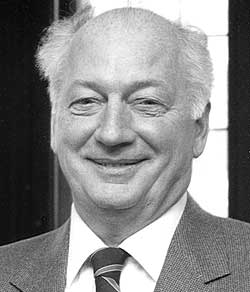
x: 116, y: 170
x: 121, y: 163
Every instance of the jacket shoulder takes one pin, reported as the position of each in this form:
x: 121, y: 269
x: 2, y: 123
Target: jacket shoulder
x: 25, y: 251
x: 234, y: 231
x: 235, y: 240
x: 231, y: 235
x: 13, y: 253
x: 24, y: 244
x: 237, y: 235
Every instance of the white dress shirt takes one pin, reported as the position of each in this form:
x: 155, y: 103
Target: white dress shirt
x: 147, y: 247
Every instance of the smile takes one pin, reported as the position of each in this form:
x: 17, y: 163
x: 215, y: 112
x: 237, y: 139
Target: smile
x: 116, y: 171
x: 117, y: 163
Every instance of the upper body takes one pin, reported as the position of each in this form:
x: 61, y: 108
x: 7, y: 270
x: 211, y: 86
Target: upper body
x: 206, y: 253
x: 130, y: 106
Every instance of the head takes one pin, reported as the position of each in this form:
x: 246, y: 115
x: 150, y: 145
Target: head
x: 130, y: 103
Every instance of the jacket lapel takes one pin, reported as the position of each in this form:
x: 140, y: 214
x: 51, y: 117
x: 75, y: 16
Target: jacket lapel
x: 45, y: 267
x: 196, y: 255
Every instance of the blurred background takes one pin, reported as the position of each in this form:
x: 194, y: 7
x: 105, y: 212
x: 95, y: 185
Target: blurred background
x: 34, y: 197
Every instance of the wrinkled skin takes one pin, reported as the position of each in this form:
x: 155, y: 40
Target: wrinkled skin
x: 123, y: 131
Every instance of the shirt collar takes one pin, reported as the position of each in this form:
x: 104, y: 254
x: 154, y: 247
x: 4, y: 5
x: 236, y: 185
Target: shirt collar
x: 82, y: 243
x: 148, y: 246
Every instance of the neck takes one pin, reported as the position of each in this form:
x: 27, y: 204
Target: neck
x: 114, y: 226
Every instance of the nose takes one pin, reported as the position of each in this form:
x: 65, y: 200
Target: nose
x: 115, y: 125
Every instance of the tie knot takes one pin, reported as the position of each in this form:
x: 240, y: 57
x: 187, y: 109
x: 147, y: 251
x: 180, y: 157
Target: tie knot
x: 107, y: 260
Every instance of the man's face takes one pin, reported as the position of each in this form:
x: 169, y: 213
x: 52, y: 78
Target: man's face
x: 123, y: 132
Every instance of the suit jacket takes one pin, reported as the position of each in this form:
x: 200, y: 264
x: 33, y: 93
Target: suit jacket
x: 207, y: 253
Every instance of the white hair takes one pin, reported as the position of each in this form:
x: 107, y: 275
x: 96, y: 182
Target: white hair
x: 193, y: 58
x: 195, y: 66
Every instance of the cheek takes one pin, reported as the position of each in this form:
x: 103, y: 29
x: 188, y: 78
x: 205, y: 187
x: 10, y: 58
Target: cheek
x: 160, y: 133
x: 171, y: 140
x: 74, y: 131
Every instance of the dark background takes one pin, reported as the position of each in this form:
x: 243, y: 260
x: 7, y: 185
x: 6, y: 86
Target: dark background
x: 29, y: 175
x: 30, y: 180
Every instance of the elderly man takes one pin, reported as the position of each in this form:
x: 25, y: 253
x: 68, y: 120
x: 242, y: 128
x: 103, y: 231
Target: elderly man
x: 130, y: 105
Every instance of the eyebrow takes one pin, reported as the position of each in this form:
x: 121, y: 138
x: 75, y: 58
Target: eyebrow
x: 130, y: 88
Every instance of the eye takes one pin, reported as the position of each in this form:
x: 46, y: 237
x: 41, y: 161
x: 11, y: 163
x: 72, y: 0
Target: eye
x: 149, y: 106
x: 147, y: 101
x: 84, y: 101
x: 85, y: 106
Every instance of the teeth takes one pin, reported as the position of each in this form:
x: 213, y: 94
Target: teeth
x: 115, y: 165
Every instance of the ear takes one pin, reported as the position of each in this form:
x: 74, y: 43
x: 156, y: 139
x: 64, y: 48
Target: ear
x: 52, y: 131
x: 202, y: 128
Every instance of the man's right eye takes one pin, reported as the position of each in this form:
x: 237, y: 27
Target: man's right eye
x: 85, y: 106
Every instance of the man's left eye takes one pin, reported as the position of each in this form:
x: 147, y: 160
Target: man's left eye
x: 147, y: 102
x: 149, y: 106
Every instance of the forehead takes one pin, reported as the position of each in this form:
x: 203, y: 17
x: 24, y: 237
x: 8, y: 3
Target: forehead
x: 123, y: 47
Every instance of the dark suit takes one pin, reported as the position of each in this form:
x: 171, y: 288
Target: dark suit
x: 206, y: 254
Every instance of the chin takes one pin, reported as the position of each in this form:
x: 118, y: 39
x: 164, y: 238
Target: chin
x: 114, y: 197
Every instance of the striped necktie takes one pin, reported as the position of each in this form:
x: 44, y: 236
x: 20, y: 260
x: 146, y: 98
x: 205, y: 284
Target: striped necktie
x: 107, y: 264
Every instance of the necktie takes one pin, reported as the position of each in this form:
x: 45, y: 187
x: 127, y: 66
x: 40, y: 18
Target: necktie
x: 107, y: 264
